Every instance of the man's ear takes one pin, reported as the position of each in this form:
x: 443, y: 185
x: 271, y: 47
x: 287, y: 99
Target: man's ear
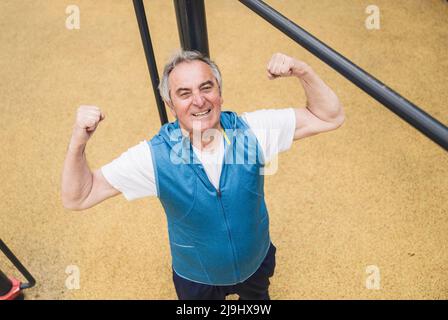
x: 221, y: 100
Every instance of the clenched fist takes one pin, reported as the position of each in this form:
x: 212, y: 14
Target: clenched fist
x: 282, y: 65
x: 87, y: 120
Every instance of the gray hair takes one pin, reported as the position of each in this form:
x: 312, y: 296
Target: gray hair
x: 185, y: 56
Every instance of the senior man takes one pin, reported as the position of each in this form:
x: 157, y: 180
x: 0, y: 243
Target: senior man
x: 206, y: 168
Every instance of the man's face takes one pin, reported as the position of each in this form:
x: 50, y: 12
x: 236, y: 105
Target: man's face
x: 195, y: 96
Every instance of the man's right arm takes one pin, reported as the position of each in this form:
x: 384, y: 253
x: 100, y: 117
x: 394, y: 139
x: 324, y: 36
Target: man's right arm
x: 80, y: 188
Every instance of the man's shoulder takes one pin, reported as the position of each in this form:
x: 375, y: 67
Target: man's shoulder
x: 155, y: 140
x: 267, y: 117
x: 141, y: 148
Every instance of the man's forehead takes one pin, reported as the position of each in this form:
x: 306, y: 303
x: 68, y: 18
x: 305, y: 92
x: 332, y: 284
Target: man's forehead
x: 190, y: 73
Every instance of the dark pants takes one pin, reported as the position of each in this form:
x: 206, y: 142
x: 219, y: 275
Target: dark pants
x: 256, y: 287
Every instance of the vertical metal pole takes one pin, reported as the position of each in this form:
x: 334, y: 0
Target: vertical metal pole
x: 150, y: 59
x: 192, y: 25
x: 5, y: 284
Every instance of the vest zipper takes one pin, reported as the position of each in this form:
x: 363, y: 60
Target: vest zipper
x: 219, y: 194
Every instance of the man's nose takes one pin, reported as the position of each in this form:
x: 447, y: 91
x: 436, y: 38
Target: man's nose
x: 198, y: 100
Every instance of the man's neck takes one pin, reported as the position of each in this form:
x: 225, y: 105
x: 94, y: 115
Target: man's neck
x: 207, y: 141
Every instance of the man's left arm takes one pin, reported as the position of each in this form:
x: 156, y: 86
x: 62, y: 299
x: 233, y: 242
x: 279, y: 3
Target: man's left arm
x: 323, y: 111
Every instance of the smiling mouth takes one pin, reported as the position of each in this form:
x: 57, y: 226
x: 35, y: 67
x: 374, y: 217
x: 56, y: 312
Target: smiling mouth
x: 202, y: 114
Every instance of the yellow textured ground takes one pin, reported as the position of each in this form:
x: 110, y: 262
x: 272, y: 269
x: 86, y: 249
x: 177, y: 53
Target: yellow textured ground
x: 374, y: 192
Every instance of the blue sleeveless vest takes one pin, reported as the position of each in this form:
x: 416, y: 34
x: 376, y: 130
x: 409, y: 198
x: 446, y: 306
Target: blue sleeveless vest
x: 217, y: 236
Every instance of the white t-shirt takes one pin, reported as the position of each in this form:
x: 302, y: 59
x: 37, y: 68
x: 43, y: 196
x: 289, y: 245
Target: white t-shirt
x: 132, y: 173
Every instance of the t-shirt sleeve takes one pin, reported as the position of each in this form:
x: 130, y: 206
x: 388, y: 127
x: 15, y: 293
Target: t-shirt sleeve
x: 274, y: 129
x: 132, y: 173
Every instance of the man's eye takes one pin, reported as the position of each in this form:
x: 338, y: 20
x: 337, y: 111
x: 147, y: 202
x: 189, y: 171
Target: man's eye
x: 206, y: 88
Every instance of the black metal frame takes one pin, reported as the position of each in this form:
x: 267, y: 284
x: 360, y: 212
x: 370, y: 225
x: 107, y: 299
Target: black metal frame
x: 192, y: 25
x: 192, y: 28
x: 402, y: 107
x: 5, y: 283
x: 150, y: 58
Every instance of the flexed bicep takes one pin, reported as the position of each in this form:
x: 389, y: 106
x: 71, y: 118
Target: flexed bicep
x: 308, y: 124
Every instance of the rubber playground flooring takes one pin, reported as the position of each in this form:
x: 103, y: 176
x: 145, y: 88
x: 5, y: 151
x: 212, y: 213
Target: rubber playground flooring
x: 367, y: 200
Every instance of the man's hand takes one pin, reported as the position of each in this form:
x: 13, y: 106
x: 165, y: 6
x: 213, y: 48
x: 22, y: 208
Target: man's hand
x: 87, y: 120
x: 282, y: 65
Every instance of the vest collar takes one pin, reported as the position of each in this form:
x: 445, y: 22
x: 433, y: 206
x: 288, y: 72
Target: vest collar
x: 181, y: 144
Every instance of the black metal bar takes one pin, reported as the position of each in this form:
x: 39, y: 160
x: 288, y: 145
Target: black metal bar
x: 31, y: 281
x: 192, y: 25
x: 405, y: 109
x: 5, y: 284
x: 150, y: 58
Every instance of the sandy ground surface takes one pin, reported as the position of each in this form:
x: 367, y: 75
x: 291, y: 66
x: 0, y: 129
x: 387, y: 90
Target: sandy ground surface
x: 374, y: 192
